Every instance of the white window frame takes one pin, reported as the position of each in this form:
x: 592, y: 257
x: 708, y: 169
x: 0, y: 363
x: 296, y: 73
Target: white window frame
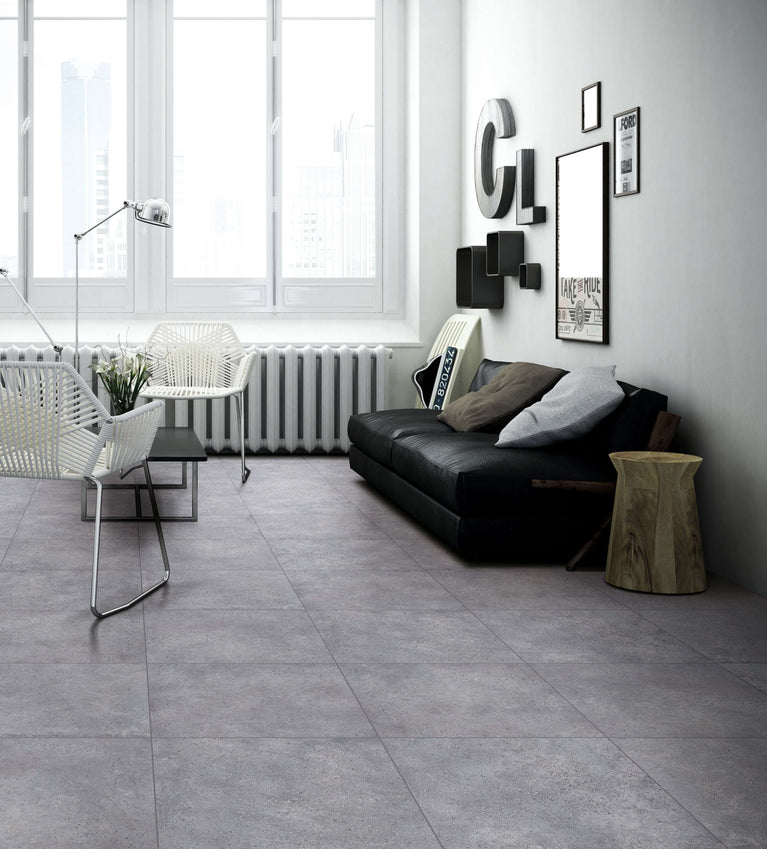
x: 218, y: 295
x: 149, y: 290
x: 271, y: 295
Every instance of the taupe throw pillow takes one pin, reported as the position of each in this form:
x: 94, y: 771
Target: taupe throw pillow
x: 515, y: 387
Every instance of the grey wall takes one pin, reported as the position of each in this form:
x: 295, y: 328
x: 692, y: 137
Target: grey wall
x: 688, y: 295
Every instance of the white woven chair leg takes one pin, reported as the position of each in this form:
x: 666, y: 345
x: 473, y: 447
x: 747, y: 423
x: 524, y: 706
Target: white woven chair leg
x: 240, y: 402
x: 101, y: 614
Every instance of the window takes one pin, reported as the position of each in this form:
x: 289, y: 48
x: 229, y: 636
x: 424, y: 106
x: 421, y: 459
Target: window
x: 80, y: 135
x: 290, y: 220
x: 260, y: 121
x: 327, y: 110
x: 219, y: 112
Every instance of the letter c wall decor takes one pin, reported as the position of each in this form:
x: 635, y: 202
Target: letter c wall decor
x: 494, y: 192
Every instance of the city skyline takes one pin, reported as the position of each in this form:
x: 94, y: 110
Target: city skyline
x: 328, y: 210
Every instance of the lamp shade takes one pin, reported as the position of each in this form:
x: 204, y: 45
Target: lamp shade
x: 154, y: 211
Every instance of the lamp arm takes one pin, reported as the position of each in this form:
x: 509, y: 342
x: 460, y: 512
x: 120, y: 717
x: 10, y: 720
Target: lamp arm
x: 78, y: 237
x: 126, y: 205
x: 57, y: 348
x: 159, y: 215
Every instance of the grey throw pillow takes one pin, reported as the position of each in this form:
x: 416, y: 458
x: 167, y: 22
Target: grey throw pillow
x: 579, y: 401
x: 511, y: 390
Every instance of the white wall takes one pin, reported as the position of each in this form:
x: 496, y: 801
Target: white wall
x: 688, y: 306
x: 433, y: 181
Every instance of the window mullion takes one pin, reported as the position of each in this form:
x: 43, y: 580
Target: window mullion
x: 25, y: 145
x: 150, y: 142
x: 391, y: 157
x: 273, y: 147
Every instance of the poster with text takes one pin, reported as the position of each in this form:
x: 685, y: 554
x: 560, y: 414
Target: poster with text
x: 580, y: 309
x: 626, y: 147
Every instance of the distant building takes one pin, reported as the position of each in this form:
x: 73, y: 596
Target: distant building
x: 329, y: 222
x: 86, y: 120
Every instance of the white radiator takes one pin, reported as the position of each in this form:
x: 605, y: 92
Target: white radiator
x: 298, y: 398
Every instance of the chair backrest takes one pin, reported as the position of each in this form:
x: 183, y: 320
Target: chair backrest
x: 193, y: 353
x: 458, y: 332
x: 50, y: 421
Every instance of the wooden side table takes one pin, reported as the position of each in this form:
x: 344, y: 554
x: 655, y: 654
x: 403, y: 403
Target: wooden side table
x: 655, y: 541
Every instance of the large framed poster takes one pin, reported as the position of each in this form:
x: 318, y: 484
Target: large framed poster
x: 583, y: 244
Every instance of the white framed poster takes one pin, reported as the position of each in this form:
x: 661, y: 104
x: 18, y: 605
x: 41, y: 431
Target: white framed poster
x: 582, y: 244
x: 626, y: 153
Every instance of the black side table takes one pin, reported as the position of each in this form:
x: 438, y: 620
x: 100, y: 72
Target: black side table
x: 171, y: 445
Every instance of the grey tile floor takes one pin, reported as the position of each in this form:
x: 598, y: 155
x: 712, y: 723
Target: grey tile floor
x: 322, y: 673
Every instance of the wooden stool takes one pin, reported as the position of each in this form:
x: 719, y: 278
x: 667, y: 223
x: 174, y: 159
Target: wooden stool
x: 655, y: 541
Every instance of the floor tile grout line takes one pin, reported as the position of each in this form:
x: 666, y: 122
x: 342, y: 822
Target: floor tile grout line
x: 540, y: 677
x: 615, y: 740
x: 389, y: 536
x: 22, y: 514
x: 354, y: 694
x: 151, y: 730
x: 665, y: 789
x: 406, y: 783
x: 723, y: 666
x: 326, y: 481
x: 592, y: 611
x: 517, y: 661
x: 377, y: 734
x: 682, y: 641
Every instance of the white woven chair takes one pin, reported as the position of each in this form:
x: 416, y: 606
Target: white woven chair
x: 53, y: 427
x: 199, y: 360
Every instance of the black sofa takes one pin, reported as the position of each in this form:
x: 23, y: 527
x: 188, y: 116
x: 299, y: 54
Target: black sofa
x: 482, y: 500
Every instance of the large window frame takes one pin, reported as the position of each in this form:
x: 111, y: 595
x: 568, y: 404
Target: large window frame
x: 150, y: 289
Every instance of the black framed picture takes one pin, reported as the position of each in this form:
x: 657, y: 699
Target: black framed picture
x: 582, y: 244
x: 626, y: 153
x: 591, y: 107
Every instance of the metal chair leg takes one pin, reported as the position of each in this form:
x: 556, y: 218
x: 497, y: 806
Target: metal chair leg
x: 241, y: 420
x: 101, y: 614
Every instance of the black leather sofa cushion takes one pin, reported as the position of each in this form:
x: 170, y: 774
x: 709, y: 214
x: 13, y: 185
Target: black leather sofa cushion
x: 470, y: 476
x: 375, y: 433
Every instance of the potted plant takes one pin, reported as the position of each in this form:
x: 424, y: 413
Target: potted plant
x: 123, y: 377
